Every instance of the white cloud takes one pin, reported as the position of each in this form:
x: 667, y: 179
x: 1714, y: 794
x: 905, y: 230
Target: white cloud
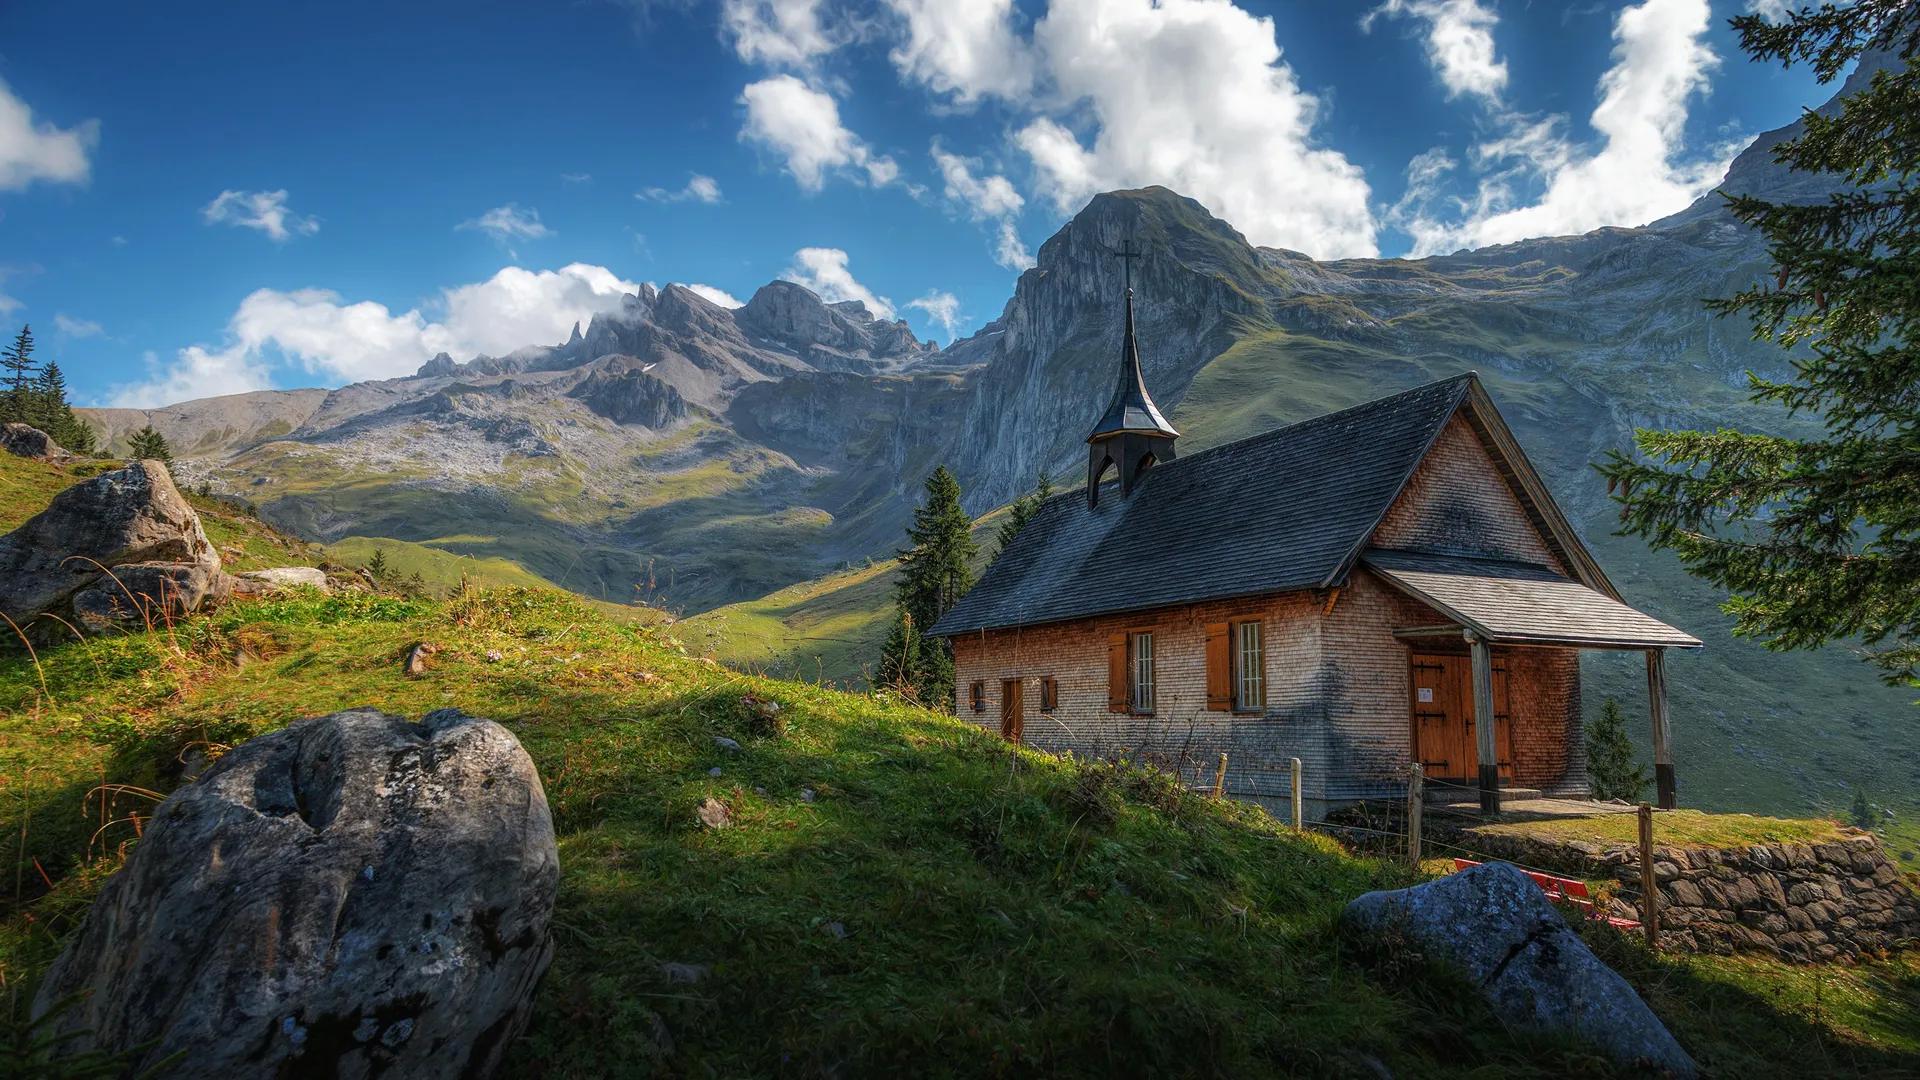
x: 1008, y: 250
x: 508, y: 223
x: 1459, y: 43
x: 1774, y: 11
x: 698, y: 188
x: 778, y: 33
x: 942, y: 309
x: 965, y: 48
x: 1660, y: 61
x: 1193, y: 94
x: 68, y: 326
x: 576, y: 178
x: 30, y: 151
x: 824, y: 270
x: 9, y: 304
x: 335, y: 341
x: 989, y: 198
x: 719, y: 296
x: 803, y: 126
x: 266, y: 211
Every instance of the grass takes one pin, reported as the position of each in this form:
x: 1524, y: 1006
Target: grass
x: 943, y: 902
x: 1676, y: 828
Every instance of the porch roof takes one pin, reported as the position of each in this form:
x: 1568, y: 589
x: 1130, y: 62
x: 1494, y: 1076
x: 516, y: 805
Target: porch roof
x: 1518, y: 603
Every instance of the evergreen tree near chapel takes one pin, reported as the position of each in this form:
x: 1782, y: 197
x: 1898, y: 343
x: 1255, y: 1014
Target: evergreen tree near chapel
x: 1817, y: 537
x: 934, y: 573
x: 1612, y: 773
x: 1020, y: 513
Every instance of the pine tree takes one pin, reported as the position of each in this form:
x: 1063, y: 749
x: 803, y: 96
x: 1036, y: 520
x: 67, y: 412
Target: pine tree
x: 934, y: 573
x: 50, y: 412
x: 1612, y: 773
x: 16, y: 366
x: 1817, y: 538
x: 148, y: 444
x: 900, y: 657
x: 1021, y: 513
x: 1861, y: 812
x: 377, y: 567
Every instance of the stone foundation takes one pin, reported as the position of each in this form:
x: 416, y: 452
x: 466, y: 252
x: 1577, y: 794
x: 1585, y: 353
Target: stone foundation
x: 1798, y: 901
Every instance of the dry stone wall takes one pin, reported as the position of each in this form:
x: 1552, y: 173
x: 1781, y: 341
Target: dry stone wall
x: 1800, y: 901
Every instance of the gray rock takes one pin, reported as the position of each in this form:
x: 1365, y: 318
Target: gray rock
x: 278, y: 579
x: 351, y: 896
x: 714, y: 814
x: 24, y: 440
x: 127, y: 516
x: 724, y: 743
x: 150, y: 594
x: 1493, y: 924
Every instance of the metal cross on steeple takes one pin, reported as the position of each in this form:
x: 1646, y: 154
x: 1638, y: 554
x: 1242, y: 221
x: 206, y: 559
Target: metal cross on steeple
x: 1126, y: 255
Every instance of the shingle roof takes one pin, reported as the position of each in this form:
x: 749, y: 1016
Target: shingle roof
x: 1521, y: 603
x: 1286, y: 509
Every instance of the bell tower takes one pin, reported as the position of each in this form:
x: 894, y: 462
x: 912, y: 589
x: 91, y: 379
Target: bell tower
x: 1132, y: 436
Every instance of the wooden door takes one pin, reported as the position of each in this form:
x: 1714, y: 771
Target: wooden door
x: 1010, y: 709
x: 1444, y: 741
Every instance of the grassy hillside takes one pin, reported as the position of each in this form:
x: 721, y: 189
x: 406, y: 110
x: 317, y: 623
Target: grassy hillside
x: 898, y: 892
x: 244, y: 542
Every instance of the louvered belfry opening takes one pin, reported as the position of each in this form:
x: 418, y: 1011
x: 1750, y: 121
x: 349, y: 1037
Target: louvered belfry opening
x: 1131, y: 436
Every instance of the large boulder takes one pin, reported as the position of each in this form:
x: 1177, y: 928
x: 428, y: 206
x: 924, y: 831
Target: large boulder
x: 1493, y: 924
x: 151, y: 594
x: 25, y: 440
x: 131, y: 515
x: 352, y: 896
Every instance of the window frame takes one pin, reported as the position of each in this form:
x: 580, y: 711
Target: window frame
x: 977, y: 695
x: 1049, y: 693
x: 1237, y: 668
x: 1134, y: 681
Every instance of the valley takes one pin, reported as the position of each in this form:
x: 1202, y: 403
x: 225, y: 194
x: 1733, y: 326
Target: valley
x: 751, y: 469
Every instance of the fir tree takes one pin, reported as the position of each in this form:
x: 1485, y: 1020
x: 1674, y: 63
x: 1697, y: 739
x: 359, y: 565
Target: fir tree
x: 148, y: 444
x: 934, y: 573
x: 1612, y: 773
x: 900, y: 657
x: 1817, y: 538
x: 1861, y: 812
x: 377, y: 567
x: 49, y: 411
x: 16, y: 367
x: 1021, y: 513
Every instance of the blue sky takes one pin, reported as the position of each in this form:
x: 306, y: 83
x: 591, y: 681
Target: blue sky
x: 205, y: 198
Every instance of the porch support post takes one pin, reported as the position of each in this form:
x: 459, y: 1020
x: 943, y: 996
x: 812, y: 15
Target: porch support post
x: 1486, y: 745
x: 1657, y: 710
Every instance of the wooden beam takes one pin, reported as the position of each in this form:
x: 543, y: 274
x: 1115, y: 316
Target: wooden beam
x: 1332, y: 599
x: 1657, y: 712
x: 1486, y: 746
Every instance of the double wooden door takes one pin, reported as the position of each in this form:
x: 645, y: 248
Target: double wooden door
x: 1444, y: 740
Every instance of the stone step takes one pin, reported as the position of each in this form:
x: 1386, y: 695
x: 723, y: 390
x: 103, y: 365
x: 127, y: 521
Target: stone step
x: 1447, y: 794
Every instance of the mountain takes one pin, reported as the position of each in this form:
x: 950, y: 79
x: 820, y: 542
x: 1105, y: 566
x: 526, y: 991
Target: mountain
x: 699, y: 457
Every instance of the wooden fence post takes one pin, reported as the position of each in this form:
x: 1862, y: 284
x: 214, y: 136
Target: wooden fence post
x: 1649, y: 893
x: 1299, y: 821
x: 1220, y: 778
x: 1416, y: 802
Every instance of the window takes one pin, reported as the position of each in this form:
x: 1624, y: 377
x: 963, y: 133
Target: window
x: 978, y: 693
x: 1249, y: 667
x: 1140, y: 672
x: 1049, y: 693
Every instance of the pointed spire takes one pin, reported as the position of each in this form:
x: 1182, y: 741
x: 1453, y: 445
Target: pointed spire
x: 1132, y: 408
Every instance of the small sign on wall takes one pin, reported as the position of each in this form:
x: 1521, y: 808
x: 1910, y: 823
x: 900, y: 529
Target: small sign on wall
x: 1426, y: 694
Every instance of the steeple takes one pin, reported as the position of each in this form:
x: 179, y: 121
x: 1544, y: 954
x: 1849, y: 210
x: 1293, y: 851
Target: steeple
x: 1131, y: 435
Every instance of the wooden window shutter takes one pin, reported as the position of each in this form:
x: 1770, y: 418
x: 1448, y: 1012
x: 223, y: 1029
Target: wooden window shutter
x: 1219, y: 667
x: 1118, y: 693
